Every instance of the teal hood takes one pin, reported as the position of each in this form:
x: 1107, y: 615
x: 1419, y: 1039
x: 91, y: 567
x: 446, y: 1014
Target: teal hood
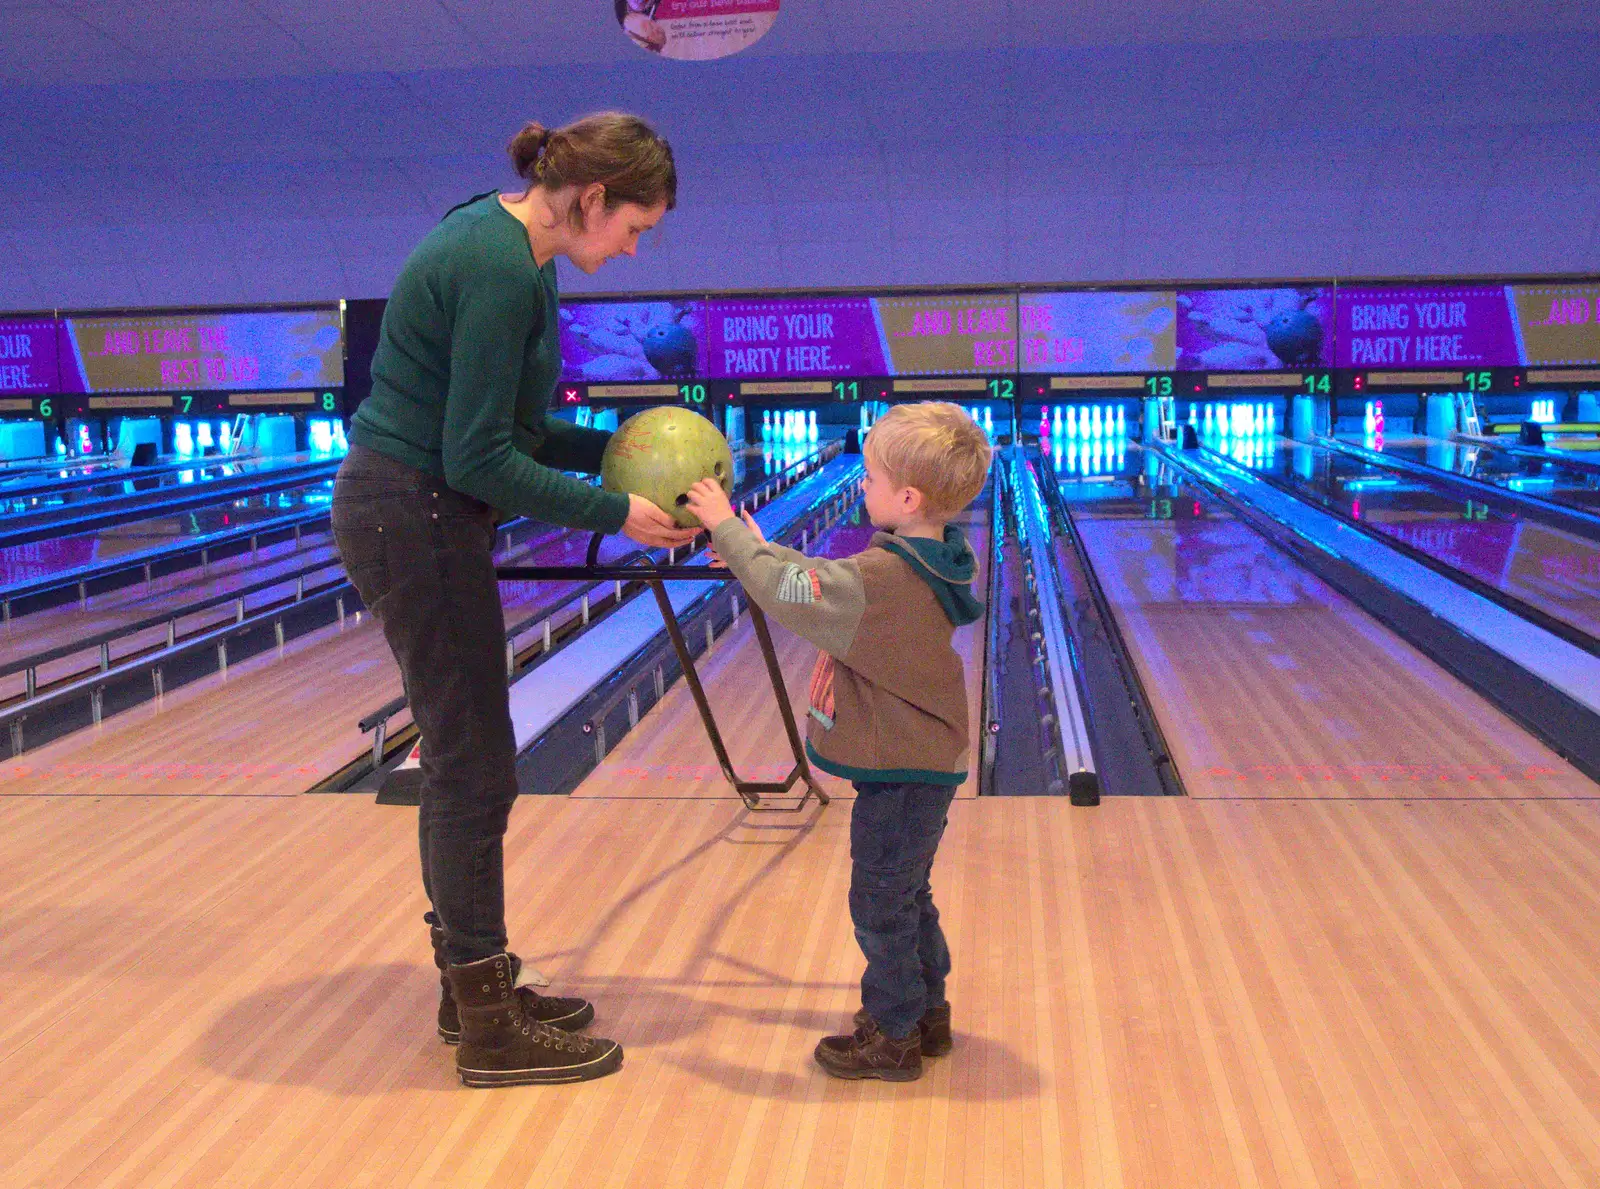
x: 947, y: 566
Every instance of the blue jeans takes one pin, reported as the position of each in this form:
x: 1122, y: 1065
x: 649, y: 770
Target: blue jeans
x: 894, y: 833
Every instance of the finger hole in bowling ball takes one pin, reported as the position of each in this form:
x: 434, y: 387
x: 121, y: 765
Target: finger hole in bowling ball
x: 682, y: 501
x: 717, y: 470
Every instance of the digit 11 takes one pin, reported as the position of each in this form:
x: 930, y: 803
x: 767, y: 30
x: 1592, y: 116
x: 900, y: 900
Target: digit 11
x: 847, y: 390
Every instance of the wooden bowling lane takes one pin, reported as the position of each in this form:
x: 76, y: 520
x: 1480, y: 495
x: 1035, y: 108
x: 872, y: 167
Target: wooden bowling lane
x: 1157, y: 992
x: 1267, y: 683
x: 58, y: 626
x: 668, y: 755
x: 273, y: 725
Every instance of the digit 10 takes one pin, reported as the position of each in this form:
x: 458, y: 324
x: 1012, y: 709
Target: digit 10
x: 693, y: 394
x: 847, y: 390
x: 1159, y: 385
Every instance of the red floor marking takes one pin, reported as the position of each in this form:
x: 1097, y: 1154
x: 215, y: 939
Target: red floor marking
x: 1385, y: 773
x: 175, y: 771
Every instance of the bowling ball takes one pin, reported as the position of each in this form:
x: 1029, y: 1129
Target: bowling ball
x: 661, y: 453
x: 1296, y: 338
x: 671, y: 350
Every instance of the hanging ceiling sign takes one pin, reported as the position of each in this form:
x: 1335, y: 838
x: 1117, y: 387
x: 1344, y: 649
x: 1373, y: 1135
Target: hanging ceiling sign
x: 695, y: 30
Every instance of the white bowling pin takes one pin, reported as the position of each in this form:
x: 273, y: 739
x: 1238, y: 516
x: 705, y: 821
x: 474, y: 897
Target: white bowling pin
x: 811, y: 429
x: 1056, y: 425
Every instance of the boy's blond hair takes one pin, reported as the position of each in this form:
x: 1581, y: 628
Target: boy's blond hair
x: 935, y: 447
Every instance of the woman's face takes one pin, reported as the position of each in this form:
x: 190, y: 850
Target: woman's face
x: 608, y: 234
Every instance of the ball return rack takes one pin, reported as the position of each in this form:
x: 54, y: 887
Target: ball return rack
x: 639, y: 566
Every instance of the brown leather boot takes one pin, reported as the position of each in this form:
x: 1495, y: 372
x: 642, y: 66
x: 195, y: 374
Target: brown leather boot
x: 868, y: 1053
x: 567, y: 1014
x: 501, y: 1045
x: 934, y: 1028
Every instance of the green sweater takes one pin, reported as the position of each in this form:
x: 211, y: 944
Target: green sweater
x: 467, y: 359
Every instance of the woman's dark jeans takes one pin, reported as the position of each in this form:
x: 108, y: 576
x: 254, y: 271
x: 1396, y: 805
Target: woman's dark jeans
x: 894, y: 834
x: 421, y: 556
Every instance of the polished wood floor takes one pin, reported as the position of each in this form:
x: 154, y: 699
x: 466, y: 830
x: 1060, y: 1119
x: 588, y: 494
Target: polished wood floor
x: 215, y: 991
x: 205, y: 987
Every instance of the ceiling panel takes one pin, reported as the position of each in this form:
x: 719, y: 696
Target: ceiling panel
x: 301, y: 150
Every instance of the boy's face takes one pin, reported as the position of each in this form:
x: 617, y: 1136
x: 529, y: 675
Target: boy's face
x: 888, y: 506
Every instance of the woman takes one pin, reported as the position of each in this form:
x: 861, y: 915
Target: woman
x: 456, y: 432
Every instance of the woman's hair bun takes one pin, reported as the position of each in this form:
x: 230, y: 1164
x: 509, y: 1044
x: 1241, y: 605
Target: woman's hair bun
x: 525, y: 148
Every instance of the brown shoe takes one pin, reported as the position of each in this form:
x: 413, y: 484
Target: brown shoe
x: 567, y: 1014
x: 501, y: 1045
x: 868, y: 1053
x: 934, y: 1028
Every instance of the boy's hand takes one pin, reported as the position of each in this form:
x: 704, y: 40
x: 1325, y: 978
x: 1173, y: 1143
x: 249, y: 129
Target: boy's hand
x: 709, y: 503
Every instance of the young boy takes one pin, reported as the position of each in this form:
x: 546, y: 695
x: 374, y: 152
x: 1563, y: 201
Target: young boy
x: 888, y: 707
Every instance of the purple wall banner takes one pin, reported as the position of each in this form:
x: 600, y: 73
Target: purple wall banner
x: 821, y: 336
x: 1092, y: 333
x: 615, y: 342
x: 28, y: 356
x: 939, y: 335
x: 1254, y: 329
x: 1412, y: 326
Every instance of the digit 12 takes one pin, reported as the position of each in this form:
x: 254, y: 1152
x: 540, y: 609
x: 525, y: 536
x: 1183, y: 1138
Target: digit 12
x: 1002, y: 389
x: 1158, y: 385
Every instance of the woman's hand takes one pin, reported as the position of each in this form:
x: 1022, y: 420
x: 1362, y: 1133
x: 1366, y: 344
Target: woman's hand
x: 653, y: 528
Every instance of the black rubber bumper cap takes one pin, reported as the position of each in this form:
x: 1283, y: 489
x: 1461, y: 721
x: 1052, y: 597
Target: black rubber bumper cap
x: 1084, y: 788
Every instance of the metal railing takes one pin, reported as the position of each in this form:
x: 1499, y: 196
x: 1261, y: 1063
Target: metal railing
x: 146, y: 562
